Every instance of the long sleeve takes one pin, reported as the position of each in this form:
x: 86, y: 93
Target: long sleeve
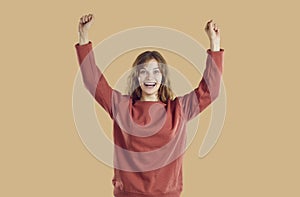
x: 208, y: 89
x: 93, y: 79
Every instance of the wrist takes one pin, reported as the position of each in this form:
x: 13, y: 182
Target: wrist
x: 215, y: 45
x: 83, y: 38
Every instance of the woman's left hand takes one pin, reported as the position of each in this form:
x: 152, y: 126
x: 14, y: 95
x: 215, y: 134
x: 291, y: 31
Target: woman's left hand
x: 213, y: 33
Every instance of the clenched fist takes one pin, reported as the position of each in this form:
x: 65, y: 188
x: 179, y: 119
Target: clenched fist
x: 85, y: 24
x: 213, y: 33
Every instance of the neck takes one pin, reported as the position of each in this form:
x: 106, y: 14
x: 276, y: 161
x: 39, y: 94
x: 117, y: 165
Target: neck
x: 153, y: 97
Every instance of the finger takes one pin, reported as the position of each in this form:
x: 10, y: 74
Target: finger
x: 218, y: 28
x: 215, y: 27
x: 92, y: 17
x: 210, y: 23
x: 207, y: 25
x: 85, y: 18
x: 89, y: 17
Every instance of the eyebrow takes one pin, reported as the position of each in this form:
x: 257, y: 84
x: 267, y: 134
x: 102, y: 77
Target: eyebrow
x: 152, y: 69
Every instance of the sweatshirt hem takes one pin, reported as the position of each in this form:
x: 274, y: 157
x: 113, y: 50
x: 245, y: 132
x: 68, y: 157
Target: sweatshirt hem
x: 131, y: 194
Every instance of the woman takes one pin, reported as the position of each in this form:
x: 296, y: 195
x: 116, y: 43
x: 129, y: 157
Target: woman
x: 149, y: 123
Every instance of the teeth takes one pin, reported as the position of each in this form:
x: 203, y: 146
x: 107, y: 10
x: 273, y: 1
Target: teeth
x: 149, y: 83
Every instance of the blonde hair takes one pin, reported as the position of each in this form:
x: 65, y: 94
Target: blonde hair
x: 134, y: 90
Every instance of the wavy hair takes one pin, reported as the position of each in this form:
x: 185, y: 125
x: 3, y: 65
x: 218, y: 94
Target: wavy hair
x: 165, y: 92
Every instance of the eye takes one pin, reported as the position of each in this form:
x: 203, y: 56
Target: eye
x: 156, y: 71
x: 142, y: 71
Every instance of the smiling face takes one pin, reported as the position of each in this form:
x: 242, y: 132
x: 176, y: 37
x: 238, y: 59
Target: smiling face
x: 150, y: 78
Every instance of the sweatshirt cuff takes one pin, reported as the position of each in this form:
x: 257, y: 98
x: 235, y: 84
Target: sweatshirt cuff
x: 83, y: 50
x: 214, y: 52
x: 84, y: 46
x: 217, y: 58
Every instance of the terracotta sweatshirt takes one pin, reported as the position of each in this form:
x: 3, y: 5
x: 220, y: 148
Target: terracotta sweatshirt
x: 149, y: 136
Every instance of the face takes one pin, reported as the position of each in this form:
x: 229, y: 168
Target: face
x: 150, y: 78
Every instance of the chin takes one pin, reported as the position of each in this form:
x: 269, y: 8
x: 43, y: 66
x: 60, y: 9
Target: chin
x: 150, y: 91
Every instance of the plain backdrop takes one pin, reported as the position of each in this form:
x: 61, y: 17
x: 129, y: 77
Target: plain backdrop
x: 257, y: 153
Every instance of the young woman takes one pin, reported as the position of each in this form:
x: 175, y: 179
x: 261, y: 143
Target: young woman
x: 149, y: 123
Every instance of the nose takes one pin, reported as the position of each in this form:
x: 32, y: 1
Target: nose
x: 149, y: 75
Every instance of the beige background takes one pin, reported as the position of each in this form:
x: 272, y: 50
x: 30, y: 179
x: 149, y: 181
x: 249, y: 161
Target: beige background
x: 258, y: 151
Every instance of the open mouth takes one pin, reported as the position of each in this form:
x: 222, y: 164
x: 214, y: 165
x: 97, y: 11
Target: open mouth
x: 149, y: 84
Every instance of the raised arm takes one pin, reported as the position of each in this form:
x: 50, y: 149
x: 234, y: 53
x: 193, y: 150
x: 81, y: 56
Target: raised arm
x: 93, y: 78
x: 209, y: 86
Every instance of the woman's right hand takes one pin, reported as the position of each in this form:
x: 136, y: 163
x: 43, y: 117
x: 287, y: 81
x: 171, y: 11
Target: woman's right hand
x: 85, y: 24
